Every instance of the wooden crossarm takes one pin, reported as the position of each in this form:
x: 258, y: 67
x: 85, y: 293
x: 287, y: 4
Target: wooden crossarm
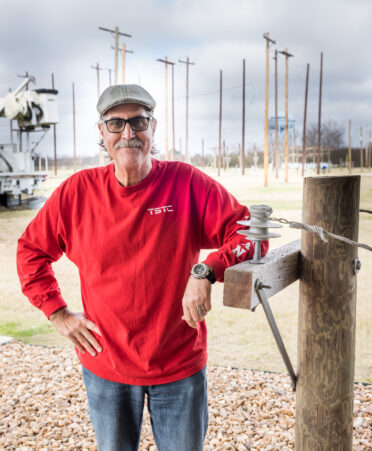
x: 281, y: 268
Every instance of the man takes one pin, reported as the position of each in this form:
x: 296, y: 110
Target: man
x: 134, y: 229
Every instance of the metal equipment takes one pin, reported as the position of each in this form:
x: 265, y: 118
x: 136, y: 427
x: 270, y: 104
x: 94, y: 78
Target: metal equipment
x: 34, y: 111
x: 258, y: 231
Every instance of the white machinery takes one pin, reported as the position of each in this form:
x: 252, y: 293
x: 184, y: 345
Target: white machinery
x: 34, y: 111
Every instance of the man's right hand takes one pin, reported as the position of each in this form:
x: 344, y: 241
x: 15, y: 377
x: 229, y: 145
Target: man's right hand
x: 75, y: 327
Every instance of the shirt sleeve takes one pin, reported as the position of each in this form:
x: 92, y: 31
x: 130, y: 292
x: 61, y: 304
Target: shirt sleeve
x: 40, y: 245
x: 222, y: 211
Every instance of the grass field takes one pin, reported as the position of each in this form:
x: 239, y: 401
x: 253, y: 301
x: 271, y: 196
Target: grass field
x: 236, y: 337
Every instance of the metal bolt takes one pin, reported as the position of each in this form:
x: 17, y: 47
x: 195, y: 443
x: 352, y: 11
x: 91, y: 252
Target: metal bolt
x: 356, y: 265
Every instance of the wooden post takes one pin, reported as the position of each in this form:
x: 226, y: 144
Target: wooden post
x: 304, y: 129
x: 326, y: 326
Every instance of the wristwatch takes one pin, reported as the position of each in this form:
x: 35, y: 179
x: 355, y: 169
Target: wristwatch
x: 203, y: 271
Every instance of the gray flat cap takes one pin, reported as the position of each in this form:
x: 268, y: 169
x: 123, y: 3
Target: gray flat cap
x: 118, y: 94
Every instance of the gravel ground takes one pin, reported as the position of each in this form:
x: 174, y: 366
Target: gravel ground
x: 43, y: 406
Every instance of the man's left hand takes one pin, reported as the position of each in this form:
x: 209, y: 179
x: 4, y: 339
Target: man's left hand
x: 196, y: 301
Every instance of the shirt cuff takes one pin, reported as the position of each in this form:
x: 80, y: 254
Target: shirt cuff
x: 218, y: 267
x: 52, y: 305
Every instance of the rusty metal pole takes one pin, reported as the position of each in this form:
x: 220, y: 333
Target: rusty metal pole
x: 327, y: 315
x: 266, y: 138
x: 305, y: 114
x: 361, y: 149
x: 220, y: 129
x: 276, y: 118
x: 349, y: 146
x: 319, y: 113
x: 54, y: 138
x: 242, y: 157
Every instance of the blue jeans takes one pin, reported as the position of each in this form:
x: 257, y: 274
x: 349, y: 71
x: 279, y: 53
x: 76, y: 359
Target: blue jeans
x: 178, y: 412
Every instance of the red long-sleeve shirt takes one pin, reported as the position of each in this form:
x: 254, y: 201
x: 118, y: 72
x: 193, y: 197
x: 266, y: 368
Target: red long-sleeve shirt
x: 134, y: 247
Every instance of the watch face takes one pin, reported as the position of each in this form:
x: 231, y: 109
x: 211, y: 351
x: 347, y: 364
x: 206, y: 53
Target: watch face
x: 200, y: 270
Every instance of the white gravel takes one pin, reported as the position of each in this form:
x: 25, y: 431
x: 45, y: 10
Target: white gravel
x: 43, y: 406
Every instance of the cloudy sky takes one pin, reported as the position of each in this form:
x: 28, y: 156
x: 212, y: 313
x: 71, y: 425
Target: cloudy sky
x: 62, y: 37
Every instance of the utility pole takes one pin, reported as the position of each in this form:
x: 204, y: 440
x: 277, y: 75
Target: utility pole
x: 187, y: 62
x: 109, y: 72
x: 276, y: 118
x: 349, y: 146
x: 368, y: 162
x: 116, y: 33
x: 97, y: 69
x: 166, y: 62
x: 320, y: 112
x: 266, y: 145
x: 220, y: 130
x: 361, y: 149
x: 124, y: 50
x: 287, y: 55
x: 54, y: 138
x: 305, y: 113
x: 73, y: 125
x: 243, y: 124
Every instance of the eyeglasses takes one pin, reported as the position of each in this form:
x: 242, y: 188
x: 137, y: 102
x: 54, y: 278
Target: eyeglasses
x: 137, y: 124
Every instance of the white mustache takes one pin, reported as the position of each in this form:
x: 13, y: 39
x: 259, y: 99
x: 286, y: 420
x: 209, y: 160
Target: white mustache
x: 128, y: 143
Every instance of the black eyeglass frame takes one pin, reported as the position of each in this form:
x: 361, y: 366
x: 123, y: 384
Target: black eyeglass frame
x: 125, y: 121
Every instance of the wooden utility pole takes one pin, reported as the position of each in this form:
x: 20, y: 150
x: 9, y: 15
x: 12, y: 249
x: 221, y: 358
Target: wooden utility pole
x: 276, y: 158
x: 166, y: 62
x: 326, y: 326
x: 368, y: 162
x: 109, y: 72
x: 73, y: 125
x: 361, y: 149
x: 220, y: 130
x: 54, y: 138
x: 242, y: 157
x: 124, y: 51
x: 287, y: 55
x: 116, y: 33
x: 187, y: 62
x: 97, y: 69
x: 266, y: 140
x: 349, y: 146
x: 305, y: 114
x: 320, y: 113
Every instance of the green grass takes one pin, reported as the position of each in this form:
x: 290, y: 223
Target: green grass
x: 14, y: 329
